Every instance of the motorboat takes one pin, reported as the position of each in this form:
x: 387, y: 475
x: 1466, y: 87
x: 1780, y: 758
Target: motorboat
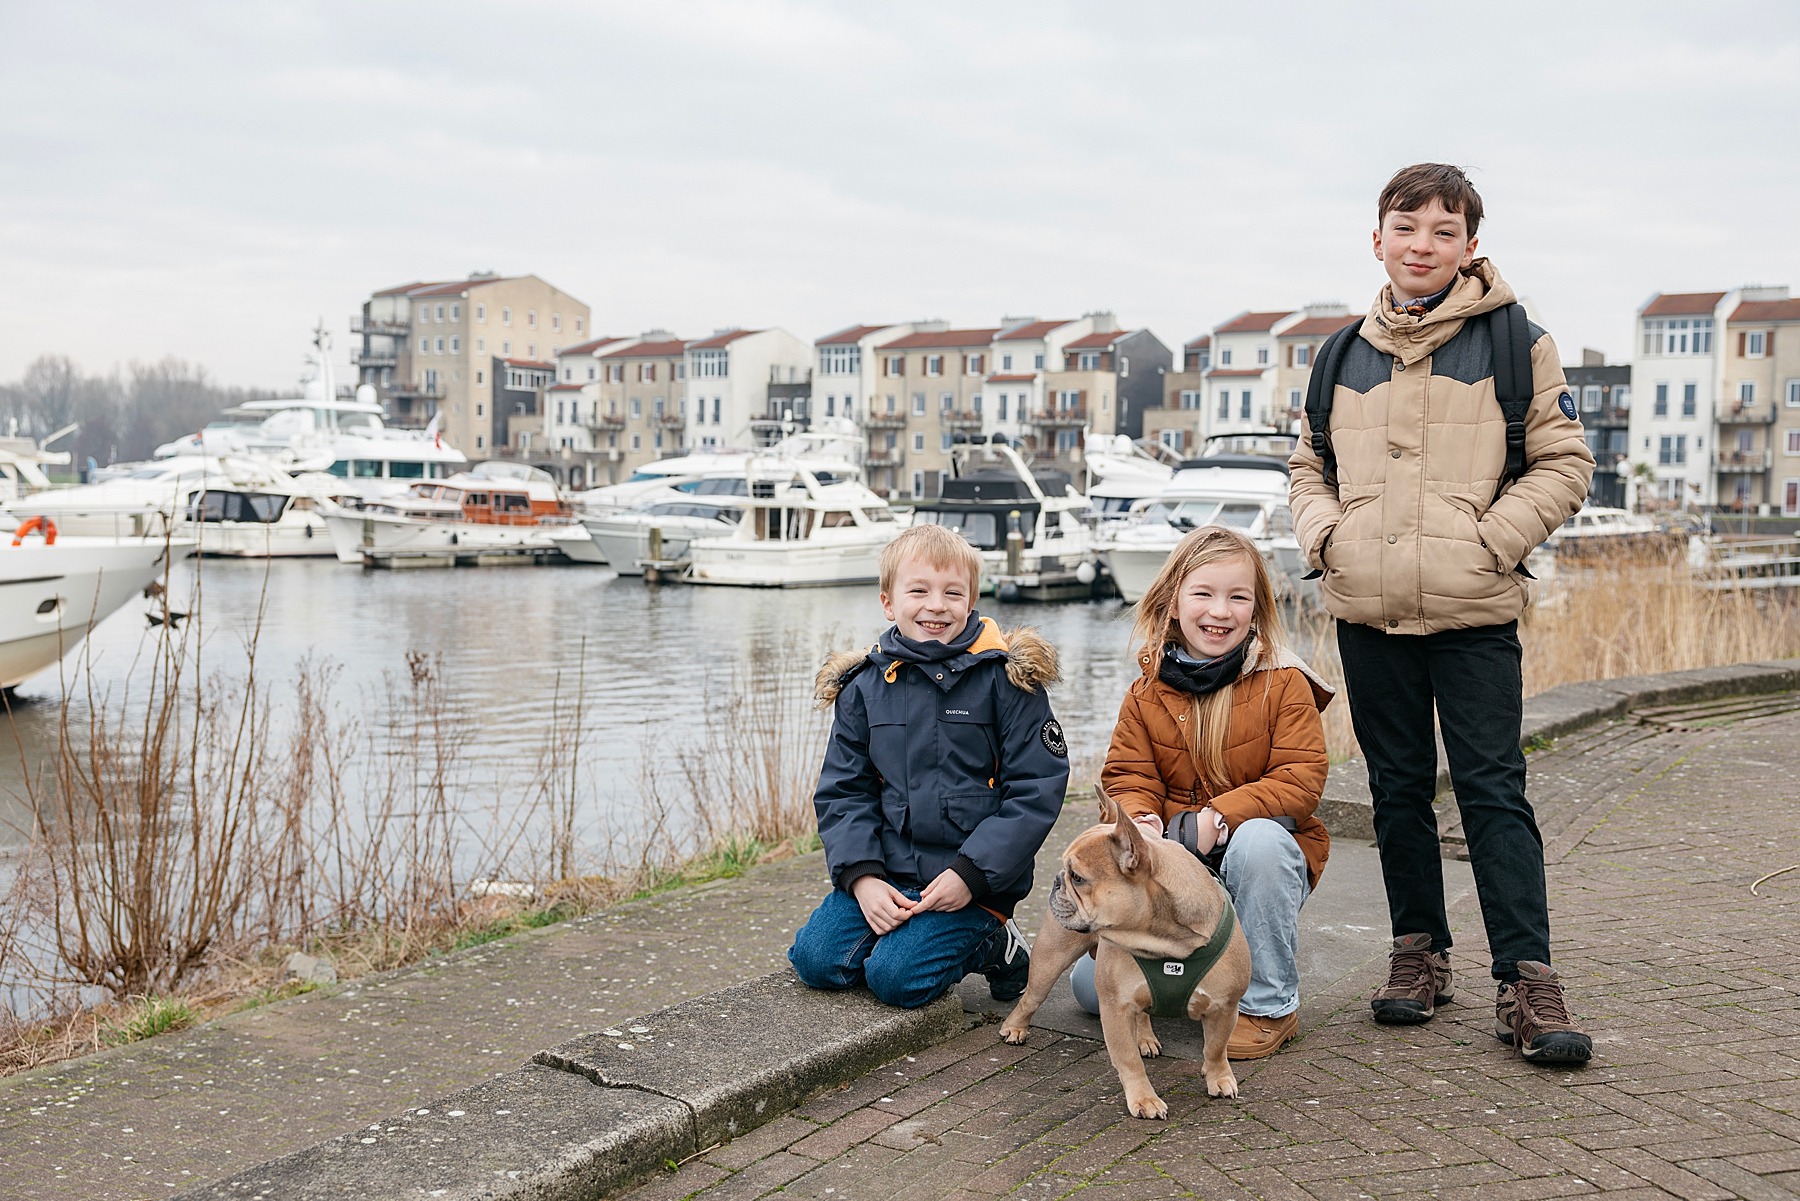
x: 832, y: 452
x: 281, y: 517
x: 1121, y: 472
x: 992, y: 495
x: 1597, y: 532
x: 150, y: 499
x: 22, y: 463
x: 657, y: 535
x: 1237, y: 485
x: 56, y: 587
x: 796, y: 530
x: 493, y: 509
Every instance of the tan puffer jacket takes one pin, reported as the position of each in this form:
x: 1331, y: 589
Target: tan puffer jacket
x: 1413, y: 539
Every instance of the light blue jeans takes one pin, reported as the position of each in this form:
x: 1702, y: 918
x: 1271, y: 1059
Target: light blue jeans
x: 1265, y: 873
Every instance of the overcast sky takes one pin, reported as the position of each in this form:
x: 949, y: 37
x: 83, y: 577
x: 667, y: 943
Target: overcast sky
x: 208, y: 180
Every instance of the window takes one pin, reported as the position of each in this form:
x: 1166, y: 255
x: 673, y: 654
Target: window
x: 531, y: 319
x: 480, y: 378
x: 972, y: 364
x: 424, y: 312
x: 1037, y: 362
x: 1224, y: 404
x: 918, y: 483
x: 1244, y: 406
x: 1088, y: 360
x: 1790, y: 498
x: 555, y: 323
x: 1006, y: 362
x: 590, y: 371
x: 424, y: 344
x: 918, y: 443
x: 506, y: 316
x: 715, y: 410
x: 840, y: 360
x: 646, y: 372
x: 656, y: 407
x: 890, y: 402
x: 1190, y: 399
x: 975, y: 403
x: 1224, y: 356
x: 1296, y: 400
x: 1003, y: 406
x: 481, y: 347
x: 1662, y: 400
x: 578, y: 324
x: 440, y: 312
x: 1746, y: 392
x: 894, y: 364
x: 918, y: 404
x: 1793, y: 394
x: 439, y: 348
x: 615, y: 373
x: 1590, y: 398
x: 1751, y: 344
x: 637, y: 441
x: 1688, y: 395
x: 934, y: 364
x: 946, y: 402
x: 1793, y: 442
x: 1124, y: 366
x: 1672, y: 451
x: 480, y: 441
x: 1622, y: 398
x: 1302, y: 356
x: 945, y: 443
x: 506, y: 347
x: 1262, y: 356
x: 637, y: 407
x: 831, y: 406
x: 712, y: 364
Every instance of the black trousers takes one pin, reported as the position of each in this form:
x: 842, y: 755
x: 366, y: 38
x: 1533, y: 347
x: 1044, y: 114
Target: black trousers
x: 1472, y: 678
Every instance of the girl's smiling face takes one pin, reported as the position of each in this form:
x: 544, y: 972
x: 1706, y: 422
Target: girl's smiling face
x: 1216, y: 605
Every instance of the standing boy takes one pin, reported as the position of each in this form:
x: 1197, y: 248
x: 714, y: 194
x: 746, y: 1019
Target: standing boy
x: 1410, y: 504
x: 943, y: 776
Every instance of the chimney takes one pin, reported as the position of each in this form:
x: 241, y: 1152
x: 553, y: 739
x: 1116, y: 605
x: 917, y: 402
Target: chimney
x: 1592, y: 358
x: 936, y: 325
x: 1105, y: 321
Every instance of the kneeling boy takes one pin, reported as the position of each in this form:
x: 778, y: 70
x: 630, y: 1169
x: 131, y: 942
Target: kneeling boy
x: 943, y: 776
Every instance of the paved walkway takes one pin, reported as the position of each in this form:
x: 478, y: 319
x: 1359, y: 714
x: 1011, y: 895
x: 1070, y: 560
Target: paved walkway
x: 1689, y: 982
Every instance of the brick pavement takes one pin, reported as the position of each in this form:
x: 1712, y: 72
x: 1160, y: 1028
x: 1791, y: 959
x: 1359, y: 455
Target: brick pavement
x: 1689, y: 983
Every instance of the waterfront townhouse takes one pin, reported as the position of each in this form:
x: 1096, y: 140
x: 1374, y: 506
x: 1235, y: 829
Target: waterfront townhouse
x: 1602, y: 395
x: 1241, y: 381
x: 1675, y: 374
x: 1297, y: 342
x: 1110, y: 378
x: 515, y: 406
x: 1177, y: 425
x: 1023, y: 350
x: 929, y: 390
x: 732, y: 377
x: 1759, y: 415
x: 846, y: 371
x: 573, y: 433
x: 429, y: 349
x: 640, y: 401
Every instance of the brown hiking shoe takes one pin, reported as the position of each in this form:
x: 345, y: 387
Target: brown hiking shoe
x: 1257, y: 1037
x: 1418, y: 982
x: 1532, y: 1016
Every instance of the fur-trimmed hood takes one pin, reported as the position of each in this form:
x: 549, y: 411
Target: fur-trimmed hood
x: 1031, y: 661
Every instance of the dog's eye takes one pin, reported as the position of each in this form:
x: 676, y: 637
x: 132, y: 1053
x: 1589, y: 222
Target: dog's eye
x: 1076, y: 878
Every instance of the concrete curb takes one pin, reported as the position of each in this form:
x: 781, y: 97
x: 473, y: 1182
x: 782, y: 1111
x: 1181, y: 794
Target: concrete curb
x: 1345, y: 807
x: 601, y: 1112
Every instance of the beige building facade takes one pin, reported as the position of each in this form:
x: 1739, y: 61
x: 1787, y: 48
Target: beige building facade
x: 1179, y: 425
x: 929, y: 386
x: 640, y: 402
x: 1758, y: 446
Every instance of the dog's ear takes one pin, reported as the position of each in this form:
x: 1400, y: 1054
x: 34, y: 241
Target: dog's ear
x: 1131, y: 850
x: 1109, y: 812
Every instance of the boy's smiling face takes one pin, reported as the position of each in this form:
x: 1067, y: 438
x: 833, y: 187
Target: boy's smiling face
x: 1423, y: 250
x: 928, y: 604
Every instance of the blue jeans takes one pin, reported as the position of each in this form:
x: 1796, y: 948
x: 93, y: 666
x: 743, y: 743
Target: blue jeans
x: 1265, y: 873
x: 912, y: 965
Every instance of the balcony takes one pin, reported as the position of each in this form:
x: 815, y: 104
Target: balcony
x: 606, y: 422
x: 669, y: 421
x: 883, y: 456
x: 417, y: 391
x: 368, y: 325
x: 958, y: 419
x: 1746, y: 412
x: 374, y: 358
x: 1052, y: 418
x: 1732, y: 462
x: 885, y: 421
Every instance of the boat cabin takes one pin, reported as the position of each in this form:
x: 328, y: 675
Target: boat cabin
x: 486, y: 504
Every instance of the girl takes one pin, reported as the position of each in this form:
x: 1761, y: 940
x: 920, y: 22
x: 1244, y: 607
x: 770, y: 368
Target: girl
x: 1219, y: 745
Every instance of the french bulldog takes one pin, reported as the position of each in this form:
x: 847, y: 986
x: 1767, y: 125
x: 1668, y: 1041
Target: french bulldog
x: 1122, y: 894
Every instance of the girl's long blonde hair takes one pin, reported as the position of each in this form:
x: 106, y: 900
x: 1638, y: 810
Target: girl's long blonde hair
x: 1154, y: 625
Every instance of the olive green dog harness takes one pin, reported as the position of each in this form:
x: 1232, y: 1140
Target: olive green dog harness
x: 1173, y: 981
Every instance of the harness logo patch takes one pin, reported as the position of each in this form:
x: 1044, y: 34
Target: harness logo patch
x: 1052, y: 737
x: 1174, y: 969
x: 1566, y: 403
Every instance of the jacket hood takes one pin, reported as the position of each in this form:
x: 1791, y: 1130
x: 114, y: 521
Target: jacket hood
x: 1479, y: 289
x: 1262, y: 657
x: 1031, y: 661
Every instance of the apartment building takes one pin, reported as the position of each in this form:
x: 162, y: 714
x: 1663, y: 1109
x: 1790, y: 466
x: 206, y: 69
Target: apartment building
x: 1297, y: 342
x: 929, y: 389
x: 1240, y: 384
x: 639, y: 402
x: 1179, y: 424
x: 846, y: 370
x: 574, y: 439
x: 514, y: 408
x: 1602, y: 394
x: 1108, y: 379
x: 429, y: 349
x: 730, y: 377
x: 1676, y: 370
x: 1758, y: 456
x: 1023, y: 350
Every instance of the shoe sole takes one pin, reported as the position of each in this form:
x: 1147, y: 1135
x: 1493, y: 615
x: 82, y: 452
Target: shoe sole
x: 1561, y: 1049
x: 1395, y: 1012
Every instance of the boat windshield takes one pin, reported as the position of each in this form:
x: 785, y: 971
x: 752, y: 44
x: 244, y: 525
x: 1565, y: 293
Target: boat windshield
x: 1192, y: 514
x: 981, y: 530
x: 264, y: 507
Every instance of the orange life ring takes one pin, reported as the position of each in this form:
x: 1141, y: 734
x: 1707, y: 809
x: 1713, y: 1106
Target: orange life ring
x: 36, y: 525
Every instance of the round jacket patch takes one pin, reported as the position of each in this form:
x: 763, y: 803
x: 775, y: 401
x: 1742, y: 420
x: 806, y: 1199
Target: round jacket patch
x: 1566, y: 403
x: 1052, y: 736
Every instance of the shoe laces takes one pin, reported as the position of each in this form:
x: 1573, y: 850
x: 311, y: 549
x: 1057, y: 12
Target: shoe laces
x: 1015, y: 942
x: 1545, y: 1001
x: 1409, y: 969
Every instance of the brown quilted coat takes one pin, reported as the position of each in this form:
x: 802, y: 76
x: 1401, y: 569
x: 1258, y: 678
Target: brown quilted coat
x: 1413, y: 539
x: 1274, y: 751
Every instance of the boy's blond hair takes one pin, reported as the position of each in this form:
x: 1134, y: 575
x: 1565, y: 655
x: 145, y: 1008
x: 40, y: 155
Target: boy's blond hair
x: 938, y: 546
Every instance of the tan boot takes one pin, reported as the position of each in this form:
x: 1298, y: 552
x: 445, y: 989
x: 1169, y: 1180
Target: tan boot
x: 1258, y: 1037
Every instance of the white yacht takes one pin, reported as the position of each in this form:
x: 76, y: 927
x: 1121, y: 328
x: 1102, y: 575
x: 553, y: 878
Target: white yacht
x: 990, y: 494
x: 149, y: 500
x: 54, y: 589
x: 493, y: 509
x: 1121, y: 472
x: 278, y: 518
x: 833, y: 452
x: 796, y: 531
x: 1595, y: 532
x: 658, y: 534
x: 1226, y: 486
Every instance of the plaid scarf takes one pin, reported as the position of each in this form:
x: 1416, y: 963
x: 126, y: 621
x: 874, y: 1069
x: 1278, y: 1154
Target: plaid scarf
x: 1423, y: 305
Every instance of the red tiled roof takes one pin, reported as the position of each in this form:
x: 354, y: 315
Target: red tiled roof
x: 1031, y: 329
x: 1678, y: 304
x: 563, y: 388
x: 1251, y: 323
x: 531, y: 363
x: 943, y: 337
x: 1099, y: 341
x: 649, y: 350
x: 1766, y: 310
x: 589, y: 347
x: 457, y: 286
x: 1010, y: 379
x: 1234, y: 372
x: 1197, y: 343
x: 402, y: 288
x: 724, y: 339
x: 855, y: 333
x: 1308, y: 327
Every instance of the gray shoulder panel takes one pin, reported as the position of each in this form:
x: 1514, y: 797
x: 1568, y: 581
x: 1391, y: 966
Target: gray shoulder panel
x: 1469, y: 356
x: 1364, y: 368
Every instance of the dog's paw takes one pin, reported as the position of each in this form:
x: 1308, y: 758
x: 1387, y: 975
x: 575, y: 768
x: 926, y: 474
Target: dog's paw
x: 1147, y: 1105
x: 1149, y: 1046
x: 1014, y: 1034
x: 1221, y: 1084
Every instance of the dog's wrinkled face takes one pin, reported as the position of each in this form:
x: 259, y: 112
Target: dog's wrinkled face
x: 1102, y: 883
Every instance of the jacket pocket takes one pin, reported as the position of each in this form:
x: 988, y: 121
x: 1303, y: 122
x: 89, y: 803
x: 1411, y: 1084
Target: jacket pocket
x: 1465, y: 509
x: 963, y: 811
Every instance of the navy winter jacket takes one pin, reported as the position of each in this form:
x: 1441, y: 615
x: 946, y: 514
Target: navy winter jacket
x: 956, y: 763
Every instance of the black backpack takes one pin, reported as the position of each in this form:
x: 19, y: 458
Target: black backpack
x: 1512, y: 387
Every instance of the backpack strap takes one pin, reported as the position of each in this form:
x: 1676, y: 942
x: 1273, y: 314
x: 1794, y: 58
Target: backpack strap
x: 1319, y: 390
x: 1511, y: 336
